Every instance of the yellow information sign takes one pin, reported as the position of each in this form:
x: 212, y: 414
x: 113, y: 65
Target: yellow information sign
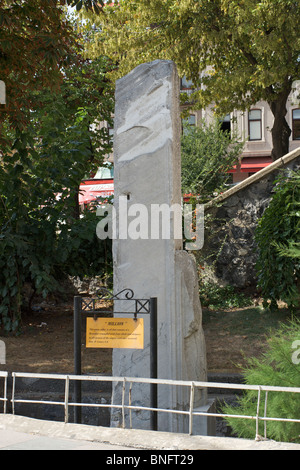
x: 115, y: 333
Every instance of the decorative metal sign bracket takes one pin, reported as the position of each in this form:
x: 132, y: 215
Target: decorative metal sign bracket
x: 137, y: 306
x: 93, y: 307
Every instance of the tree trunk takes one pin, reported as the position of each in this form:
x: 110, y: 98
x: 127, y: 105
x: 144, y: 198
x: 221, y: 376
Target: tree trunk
x: 281, y: 131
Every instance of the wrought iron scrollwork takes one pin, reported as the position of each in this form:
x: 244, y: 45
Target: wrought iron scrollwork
x: 91, y: 305
x: 125, y: 294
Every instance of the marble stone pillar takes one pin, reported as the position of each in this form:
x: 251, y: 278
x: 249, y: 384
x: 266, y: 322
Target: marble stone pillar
x: 148, y: 171
x: 2, y: 93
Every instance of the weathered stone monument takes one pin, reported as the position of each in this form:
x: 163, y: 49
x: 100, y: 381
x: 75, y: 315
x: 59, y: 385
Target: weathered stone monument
x: 2, y: 93
x: 2, y: 353
x: 148, y: 172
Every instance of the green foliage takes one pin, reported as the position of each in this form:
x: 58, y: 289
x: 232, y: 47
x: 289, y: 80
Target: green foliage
x: 235, y: 52
x: 42, y: 251
x: 278, y: 272
x: 90, y: 5
x: 42, y: 237
x: 65, y: 123
x: 80, y: 252
x: 207, y: 153
x: 292, y: 250
x: 217, y: 297
x: 36, y: 43
x: 278, y: 366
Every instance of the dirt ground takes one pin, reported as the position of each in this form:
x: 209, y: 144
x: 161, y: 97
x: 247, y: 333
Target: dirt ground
x: 46, y: 344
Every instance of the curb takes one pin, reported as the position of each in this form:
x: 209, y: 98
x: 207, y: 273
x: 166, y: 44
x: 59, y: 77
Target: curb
x: 135, y: 438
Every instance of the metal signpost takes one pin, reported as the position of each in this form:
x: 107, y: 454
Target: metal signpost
x: 153, y: 361
x: 115, y: 332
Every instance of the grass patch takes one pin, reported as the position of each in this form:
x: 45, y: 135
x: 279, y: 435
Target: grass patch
x: 217, y: 297
x: 233, y: 336
x: 250, y: 321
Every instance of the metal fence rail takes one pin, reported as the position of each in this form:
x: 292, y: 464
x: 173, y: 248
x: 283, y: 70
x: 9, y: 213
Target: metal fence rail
x: 131, y: 380
x: 4, y: 375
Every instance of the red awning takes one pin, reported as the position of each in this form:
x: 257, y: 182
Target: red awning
x: 252, y: 164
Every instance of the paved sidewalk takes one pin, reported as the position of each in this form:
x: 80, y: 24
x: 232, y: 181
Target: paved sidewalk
x: 21, y: 433
x: 14, y: 440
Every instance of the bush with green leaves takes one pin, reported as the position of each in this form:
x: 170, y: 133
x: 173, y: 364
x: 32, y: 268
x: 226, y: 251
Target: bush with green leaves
x: 279, y: 366
x: 41, y: 240
x: 277, y: 237
x: 42, y: 253
x: 207, y: 153
x: 42, y: 237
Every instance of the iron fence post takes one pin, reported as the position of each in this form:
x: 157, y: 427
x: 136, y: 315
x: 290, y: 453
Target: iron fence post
x: 77, y: 357
x: 153, y: 362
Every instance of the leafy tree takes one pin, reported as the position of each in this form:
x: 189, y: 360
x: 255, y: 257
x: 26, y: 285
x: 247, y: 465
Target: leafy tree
x: 236, y: 53
x: 207, y: 153
x: 279, y: 268
x: 90, y: 5
x: 278, y: 366
x: 71, y: 142
x: 36, y: 42
x: 49, y: 143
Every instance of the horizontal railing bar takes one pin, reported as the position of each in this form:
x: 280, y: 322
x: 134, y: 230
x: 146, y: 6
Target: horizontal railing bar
x: 287, y: 420
x: 261, y: 418
x: 132, y: 380
x: 145, y: 408
x: 41, y: 376
x: 41, y: 402
x: 62, y: 403
x: 96, y: 405
x: 161, y: 382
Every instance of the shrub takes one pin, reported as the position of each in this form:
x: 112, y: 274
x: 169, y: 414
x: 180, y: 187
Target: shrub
x: 278, y: 366
x: 207, y: 153
x: 42, y: 237
x: 279, y: 268
x: 42, y: 252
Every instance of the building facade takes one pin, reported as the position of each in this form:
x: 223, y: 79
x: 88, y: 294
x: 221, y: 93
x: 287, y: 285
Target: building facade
x: 254, y: 127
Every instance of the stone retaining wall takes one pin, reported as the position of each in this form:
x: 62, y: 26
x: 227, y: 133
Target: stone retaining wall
x: 235, y: 219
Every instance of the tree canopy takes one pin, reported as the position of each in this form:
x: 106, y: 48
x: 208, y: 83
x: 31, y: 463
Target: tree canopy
x: 90, y: 5
x: 235, y: 52
x: 48, y: 144
x: 35, y: 43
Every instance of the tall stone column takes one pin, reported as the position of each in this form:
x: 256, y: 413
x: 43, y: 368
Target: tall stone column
x: 148, y: 171
x: 2, y: 93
